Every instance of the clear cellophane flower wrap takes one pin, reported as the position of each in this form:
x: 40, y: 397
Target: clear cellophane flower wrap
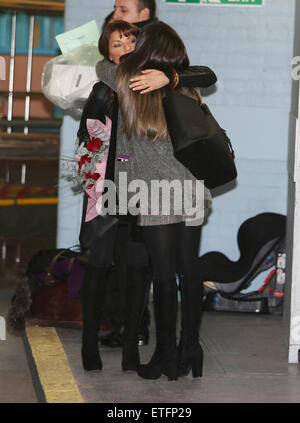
x: 68, y: 79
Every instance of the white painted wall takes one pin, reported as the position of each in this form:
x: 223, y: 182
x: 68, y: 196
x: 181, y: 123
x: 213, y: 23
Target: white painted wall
x: 250, y: 49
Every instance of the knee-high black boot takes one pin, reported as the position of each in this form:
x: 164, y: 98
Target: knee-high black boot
x: 92, y: 297
x: 137, y: 287
x: 190, y: 353
x: 164, y: 359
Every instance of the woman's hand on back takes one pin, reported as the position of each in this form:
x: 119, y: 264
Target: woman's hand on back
x: 149, y: 80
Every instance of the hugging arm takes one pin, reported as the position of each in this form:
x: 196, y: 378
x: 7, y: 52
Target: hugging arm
x: 194, y: 76
x: 152, y: 79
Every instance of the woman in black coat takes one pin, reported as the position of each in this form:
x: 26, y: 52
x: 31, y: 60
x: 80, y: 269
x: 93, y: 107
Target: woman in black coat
x: 100, y: 234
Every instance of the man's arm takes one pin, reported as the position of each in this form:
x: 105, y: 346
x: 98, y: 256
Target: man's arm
x: 197, y: 76
x: 194, y: 76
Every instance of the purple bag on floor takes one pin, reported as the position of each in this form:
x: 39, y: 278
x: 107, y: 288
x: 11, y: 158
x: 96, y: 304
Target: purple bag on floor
x: 68, y: 270
x: 49, y: 266
x: 48, y: 292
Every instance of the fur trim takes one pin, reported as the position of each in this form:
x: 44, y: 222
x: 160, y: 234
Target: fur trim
x: 20, y: 306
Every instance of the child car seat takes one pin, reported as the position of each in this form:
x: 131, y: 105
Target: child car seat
x: 258, y: 238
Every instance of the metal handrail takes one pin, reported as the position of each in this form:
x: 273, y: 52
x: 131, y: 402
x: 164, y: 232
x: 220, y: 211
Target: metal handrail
x: 32, y: 123
x: 32, y: 6
x: 33, y: 136
x: 23, y: 93
x: 28, y: 201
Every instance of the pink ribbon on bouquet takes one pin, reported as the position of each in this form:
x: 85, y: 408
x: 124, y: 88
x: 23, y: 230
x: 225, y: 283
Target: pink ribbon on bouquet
x: 97, y: 129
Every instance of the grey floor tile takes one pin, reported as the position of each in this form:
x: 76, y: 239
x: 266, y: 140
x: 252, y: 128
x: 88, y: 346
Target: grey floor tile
x: 16, y: 383
x: 16, y: 387
x: 245, y: 360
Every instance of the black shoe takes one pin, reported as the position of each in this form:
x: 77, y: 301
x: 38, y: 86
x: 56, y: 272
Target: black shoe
x: 190, y: 357
x: 90, y: 356
x: 161, y: 363
x: 190, y: 352
x: 143, y: 339
x: 143, y: 335
x: 136, y: 294
x: 130, y: 357
x: 113, y: 339
x: 164, y: 360
x: 92, y: 294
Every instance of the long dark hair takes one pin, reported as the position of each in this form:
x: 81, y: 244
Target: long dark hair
x: 160, y: 47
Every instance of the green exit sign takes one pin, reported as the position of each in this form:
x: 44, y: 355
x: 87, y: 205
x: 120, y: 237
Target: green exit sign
x: 219, y: 2
x: 184, y: 1
x: 233, y: 2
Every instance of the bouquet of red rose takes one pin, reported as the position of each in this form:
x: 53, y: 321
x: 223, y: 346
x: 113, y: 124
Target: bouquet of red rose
x: 88, y: 156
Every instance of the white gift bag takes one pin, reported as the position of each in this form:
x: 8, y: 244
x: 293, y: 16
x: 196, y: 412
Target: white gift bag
x: 68, y: 79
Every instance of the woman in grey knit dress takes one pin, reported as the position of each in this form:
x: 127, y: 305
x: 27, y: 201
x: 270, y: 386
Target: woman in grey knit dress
x: 170, y: 226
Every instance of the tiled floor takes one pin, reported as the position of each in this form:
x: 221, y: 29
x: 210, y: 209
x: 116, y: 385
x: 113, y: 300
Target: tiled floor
x: 15, y: 377
x: 245, y: 361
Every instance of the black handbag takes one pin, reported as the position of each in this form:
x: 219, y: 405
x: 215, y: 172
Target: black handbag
x: 199, y: 143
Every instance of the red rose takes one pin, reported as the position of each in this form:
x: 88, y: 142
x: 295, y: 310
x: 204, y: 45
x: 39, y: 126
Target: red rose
x: 94, y: 145
x: 82, y: 160
x: 94, y: 176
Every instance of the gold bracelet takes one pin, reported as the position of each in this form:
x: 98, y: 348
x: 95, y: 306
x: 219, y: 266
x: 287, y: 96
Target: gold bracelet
x: 175, y: 79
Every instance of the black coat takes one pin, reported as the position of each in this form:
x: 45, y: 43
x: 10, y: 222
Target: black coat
x: 103, y: 102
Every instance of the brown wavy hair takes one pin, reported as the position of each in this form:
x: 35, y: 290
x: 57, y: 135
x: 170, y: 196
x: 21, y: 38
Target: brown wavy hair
x: 123, y: 27
x: 160, y: 47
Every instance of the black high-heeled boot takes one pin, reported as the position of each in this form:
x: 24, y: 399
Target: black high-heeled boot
x: 190, y: 352
x: 137, y: 287
x: 164, y: 359
x: 92, y: 297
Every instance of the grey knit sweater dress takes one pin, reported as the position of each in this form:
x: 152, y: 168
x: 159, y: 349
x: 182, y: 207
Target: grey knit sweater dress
x: 143, y: 166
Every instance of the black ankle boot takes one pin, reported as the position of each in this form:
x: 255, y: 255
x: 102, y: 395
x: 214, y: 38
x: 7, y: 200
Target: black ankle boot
x: 137, y: 288
x: 190, y: 357
x: 190, y: 352
x: 92, y: 297
x: 91, y: 359
x: 164, y: 359
x: 163, y: 362
x: 130, y: 357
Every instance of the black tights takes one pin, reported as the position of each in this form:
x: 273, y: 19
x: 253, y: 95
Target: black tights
x: 173, y: 248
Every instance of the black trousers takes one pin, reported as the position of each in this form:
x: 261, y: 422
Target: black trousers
x: 121, y: 246
x: 170, y: 249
